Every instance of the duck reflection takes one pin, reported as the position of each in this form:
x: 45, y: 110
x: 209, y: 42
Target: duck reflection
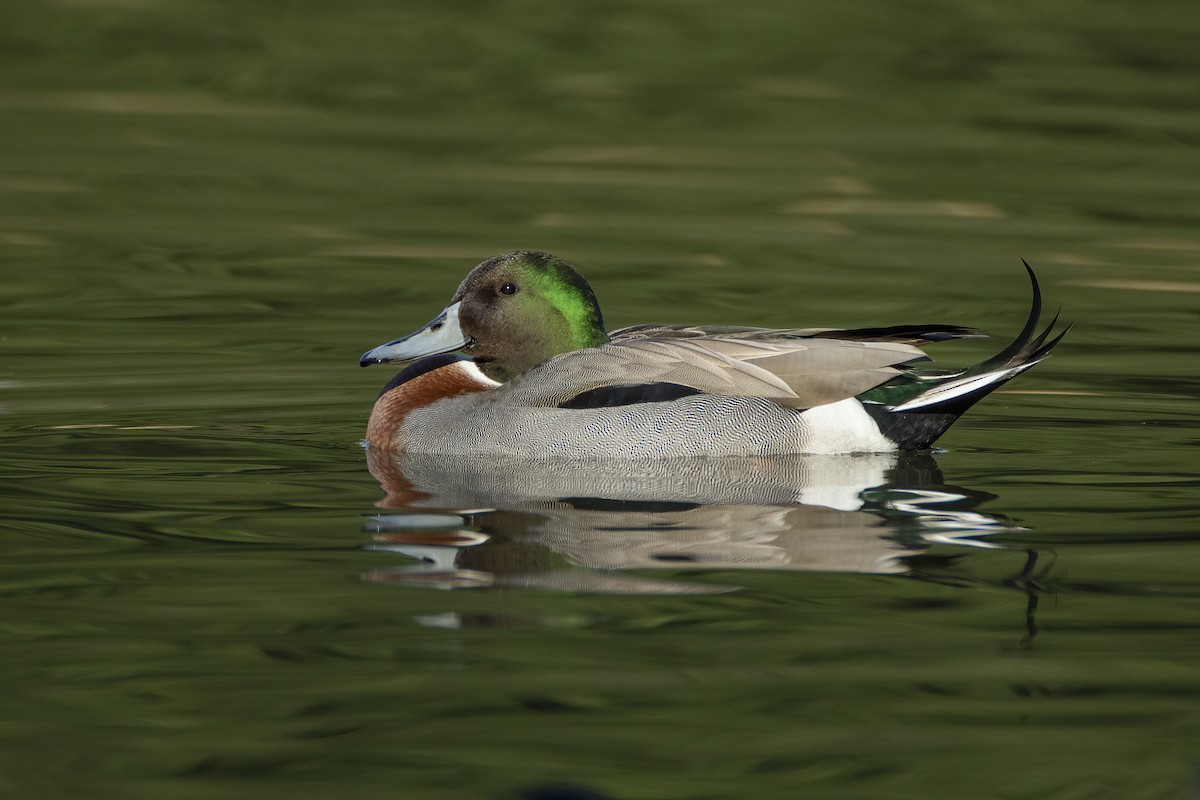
x: 583, y: 526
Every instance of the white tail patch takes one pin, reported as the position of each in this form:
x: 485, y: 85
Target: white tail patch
x: 842, y: 427
x: 960, y: 387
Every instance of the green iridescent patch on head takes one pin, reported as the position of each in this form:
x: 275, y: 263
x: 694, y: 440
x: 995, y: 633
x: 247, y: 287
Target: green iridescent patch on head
x: 567, y: 292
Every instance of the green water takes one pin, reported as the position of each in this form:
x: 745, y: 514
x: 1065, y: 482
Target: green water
x: 209, y: 210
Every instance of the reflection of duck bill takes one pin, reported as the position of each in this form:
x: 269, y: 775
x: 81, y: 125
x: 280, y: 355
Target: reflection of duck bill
x: 432, y: 538
x: 414, y: 521
x: 410, y: 521
x: 418, y: 575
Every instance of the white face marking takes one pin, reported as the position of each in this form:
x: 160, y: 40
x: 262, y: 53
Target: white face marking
x: 472, y: 369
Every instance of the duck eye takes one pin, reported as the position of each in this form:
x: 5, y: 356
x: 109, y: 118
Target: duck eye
x: 508, y: 288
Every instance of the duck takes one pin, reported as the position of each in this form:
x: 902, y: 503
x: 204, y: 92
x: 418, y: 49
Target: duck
x: 519, y: 364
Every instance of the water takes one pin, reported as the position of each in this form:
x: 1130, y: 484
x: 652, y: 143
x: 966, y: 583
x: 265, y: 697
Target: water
x: 207, y: 212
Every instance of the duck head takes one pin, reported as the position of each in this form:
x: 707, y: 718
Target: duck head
x: 511, y: 313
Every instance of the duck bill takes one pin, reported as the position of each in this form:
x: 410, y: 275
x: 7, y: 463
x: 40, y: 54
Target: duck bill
x: 442, y: 335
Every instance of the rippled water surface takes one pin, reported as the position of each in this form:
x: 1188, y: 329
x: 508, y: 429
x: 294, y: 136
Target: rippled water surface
x: 209, y: 210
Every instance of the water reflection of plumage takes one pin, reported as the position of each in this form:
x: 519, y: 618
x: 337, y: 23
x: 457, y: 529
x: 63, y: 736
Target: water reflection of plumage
x: 580, y: 525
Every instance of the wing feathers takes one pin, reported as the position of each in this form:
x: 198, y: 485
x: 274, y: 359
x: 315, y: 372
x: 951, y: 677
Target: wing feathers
x: 795, y: 372
x: 919, y: 335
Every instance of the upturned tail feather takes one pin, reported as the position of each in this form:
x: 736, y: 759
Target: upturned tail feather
x: 919, y: 419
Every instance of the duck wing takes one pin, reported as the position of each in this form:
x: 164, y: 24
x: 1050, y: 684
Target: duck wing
x: 919, y: 335
x: 794, y: 372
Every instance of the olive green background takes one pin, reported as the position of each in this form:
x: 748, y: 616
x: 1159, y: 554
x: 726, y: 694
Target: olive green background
x: 208, y: 210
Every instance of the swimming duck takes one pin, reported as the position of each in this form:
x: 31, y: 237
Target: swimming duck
x: 519, y: 364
